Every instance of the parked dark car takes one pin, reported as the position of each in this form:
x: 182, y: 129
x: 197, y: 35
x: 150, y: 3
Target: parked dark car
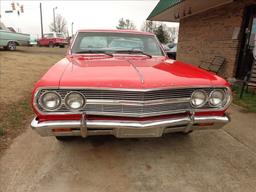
x: 170, y: 50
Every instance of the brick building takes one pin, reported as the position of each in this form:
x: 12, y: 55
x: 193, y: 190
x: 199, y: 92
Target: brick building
x: 212, y: 28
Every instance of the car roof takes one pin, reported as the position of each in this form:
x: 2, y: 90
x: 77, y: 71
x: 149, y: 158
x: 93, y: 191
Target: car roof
x: 116, y: 31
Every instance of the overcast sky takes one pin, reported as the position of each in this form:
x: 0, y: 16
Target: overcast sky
x: 85, y: 14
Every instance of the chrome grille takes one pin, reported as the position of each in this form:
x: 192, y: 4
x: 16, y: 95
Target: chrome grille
x: 178, y: 101
x: 130, y: 95
x: 138, y: 109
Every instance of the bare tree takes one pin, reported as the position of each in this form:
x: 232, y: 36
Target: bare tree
x: 149, y: 26
x: 173, y: 31
x: 61, y: 24
x: 125, y: 24
x: 164, y: 33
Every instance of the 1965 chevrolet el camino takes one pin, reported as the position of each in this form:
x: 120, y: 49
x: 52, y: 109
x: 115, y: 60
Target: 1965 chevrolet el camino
x: 121, y: 83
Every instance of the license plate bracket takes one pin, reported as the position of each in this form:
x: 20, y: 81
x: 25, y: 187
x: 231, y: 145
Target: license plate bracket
x: 139, y: 132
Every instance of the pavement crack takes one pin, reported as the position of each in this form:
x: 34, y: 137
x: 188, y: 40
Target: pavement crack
x: 242, y: 143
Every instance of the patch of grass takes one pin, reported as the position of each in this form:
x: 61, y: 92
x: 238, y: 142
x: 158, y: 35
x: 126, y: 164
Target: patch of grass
x: 248, y: 101
x: 14, y: 116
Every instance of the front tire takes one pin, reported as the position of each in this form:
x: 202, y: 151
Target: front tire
x: 63, y: 138
x: 51, y: 45
x: 11, y: 46
x: 187, y: 133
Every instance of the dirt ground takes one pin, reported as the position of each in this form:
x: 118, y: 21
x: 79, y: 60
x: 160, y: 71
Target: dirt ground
x: 214, y: 160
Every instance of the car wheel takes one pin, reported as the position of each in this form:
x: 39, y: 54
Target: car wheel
x: 51, y: 45
x: 62, y: 46
x: 187, y: 133
x: 63, y: 138
x: 11, y: 46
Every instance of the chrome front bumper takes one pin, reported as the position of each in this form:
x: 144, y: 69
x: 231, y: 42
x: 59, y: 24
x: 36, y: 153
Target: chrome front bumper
x: 128, y: 129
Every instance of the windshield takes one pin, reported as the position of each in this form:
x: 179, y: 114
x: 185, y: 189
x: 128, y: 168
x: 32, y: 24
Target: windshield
x: 60, y: 35
x: 2, y: 27
x: 48, y: 35
x: 115, y: 42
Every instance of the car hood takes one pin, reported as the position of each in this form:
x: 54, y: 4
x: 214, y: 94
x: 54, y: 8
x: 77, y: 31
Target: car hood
x: 133, y: 72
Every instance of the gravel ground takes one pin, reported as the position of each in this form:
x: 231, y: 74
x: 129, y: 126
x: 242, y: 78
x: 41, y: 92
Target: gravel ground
x: 214, y: 160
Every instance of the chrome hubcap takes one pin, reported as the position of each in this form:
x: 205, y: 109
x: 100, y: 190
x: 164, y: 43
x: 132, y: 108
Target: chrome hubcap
x: 12, y: 46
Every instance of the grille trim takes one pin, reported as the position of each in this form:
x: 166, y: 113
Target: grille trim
x: 136, y: 103
x: 133, y: 102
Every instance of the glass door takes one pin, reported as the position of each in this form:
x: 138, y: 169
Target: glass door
x: 252, y: 39
x: 248, y: 48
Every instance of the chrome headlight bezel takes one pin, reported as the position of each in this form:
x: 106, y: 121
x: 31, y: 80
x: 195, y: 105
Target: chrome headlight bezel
x: 223, y: 101
x: 203, y: 103
x: 75, y: 109
x: 41, y: 103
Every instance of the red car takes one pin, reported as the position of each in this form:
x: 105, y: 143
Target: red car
x: 122, y: 83
x: 53, y: 40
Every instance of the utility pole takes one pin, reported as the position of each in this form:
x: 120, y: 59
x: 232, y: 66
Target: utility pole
x: 41, y: 18
x: 0, y: 11
x: 54, y: 19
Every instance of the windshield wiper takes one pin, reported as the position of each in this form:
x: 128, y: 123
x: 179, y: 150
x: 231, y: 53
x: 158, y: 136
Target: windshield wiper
x: 95, y: 51
x: 133, y: 51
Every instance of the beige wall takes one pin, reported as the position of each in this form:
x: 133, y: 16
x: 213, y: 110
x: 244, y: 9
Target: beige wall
x: 209, y: 34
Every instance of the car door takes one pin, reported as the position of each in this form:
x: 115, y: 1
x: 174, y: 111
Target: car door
x: 50, y: 39
x: 43, y: 40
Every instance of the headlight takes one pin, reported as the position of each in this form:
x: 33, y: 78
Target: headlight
x: 217, y: 98
x: 74, y: 101
x: 50, y: 101
x: 198, y: 99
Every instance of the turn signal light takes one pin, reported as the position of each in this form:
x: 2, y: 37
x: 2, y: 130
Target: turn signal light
x: 62, y: 130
